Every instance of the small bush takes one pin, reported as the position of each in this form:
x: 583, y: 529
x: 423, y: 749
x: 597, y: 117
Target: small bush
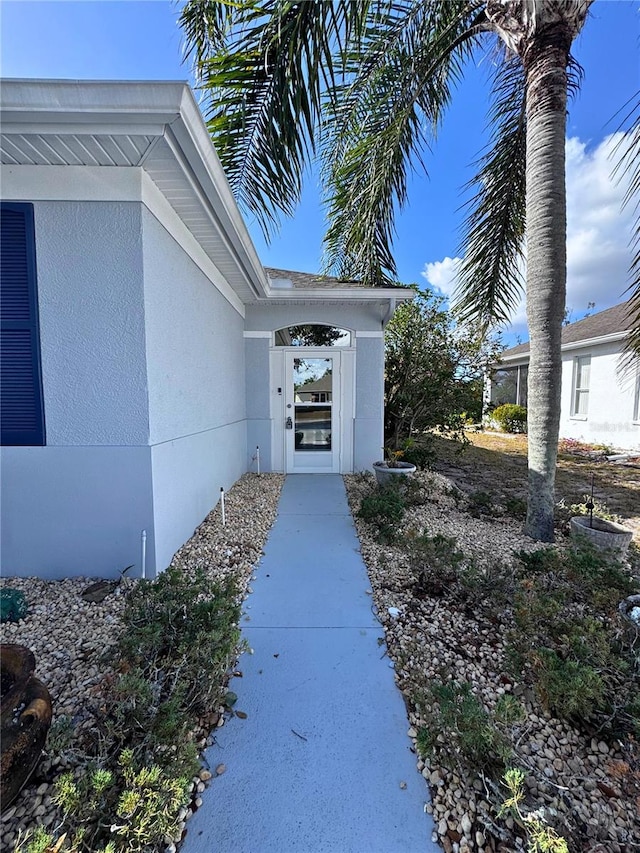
x: 567, y: 642
x: 435, y: 562
x: 481, y: 503
x: 516, y: 508
x: 138, y: 805
x: 541, y: 837
x: 510, y: 418
x: 467, y: 730
x: 179, y: 637
x: 566, y: 687
x: 384, y: 509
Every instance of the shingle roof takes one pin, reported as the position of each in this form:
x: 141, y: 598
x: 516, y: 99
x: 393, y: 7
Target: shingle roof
x: 306, y: 280
x: 613, y: 320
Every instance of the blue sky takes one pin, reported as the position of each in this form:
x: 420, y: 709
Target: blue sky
x: 101, y: 39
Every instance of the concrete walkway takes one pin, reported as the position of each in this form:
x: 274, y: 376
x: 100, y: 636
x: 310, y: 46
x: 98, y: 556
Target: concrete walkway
x: 320, y: 763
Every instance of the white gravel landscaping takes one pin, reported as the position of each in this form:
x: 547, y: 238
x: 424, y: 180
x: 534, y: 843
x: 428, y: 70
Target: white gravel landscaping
x: 589, y: 789
x: 70, y: 636
x: 587, y: 786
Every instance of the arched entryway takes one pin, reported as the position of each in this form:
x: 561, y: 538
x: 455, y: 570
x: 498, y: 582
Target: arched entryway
x: 313, y: 431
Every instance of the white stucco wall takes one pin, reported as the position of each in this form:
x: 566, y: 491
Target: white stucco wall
x: 369, y: 410
x: 258, y: 397
x: 361, y: 316
x: 363, y: 421
x: 89, y: 265
x: 77, y: 505
x: 609, y: 419
x: 197, y: 405
x: 144, y: 397
x: 75, y: 511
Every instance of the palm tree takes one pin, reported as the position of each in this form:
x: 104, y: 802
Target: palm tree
x: 363, y: 86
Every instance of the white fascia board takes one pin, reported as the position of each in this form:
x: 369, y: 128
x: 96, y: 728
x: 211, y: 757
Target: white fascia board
x: 105, y: 103
x: 330, y: 294
x: 592, y: 342
x: 522, y: 358
x: 192, y: 131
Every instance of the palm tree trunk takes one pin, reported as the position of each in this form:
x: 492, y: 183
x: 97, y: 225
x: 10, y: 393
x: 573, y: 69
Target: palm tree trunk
x: 545, y: 62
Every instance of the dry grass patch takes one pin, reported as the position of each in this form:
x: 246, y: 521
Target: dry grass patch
x: 496, y: 464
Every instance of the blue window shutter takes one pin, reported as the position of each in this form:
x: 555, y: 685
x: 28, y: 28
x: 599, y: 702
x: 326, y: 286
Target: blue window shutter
x: 21, y: 408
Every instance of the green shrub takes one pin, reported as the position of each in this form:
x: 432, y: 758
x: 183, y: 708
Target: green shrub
x: 510, y: 417
x: 568, y: 688
x: 516, y: 508
x: 179, y: 638
x: 469, y: 734
x: 180, y: 635
x: 481, y: 503
x: 384, y: 509
x: 138, y: 805
x: 541, y: 837
x: 567, y: 642
x: 435, y: 563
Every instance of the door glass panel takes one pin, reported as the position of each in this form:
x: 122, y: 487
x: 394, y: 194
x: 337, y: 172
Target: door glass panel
x: 312, y: 401
x: 312, y: 335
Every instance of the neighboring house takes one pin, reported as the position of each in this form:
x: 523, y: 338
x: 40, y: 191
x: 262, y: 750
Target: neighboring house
x: 144, y: 346
x: 318, y: 391
x: 600, y: 387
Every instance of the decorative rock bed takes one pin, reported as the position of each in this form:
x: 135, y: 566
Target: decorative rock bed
x: 69, y: 636
x: 591, y: 787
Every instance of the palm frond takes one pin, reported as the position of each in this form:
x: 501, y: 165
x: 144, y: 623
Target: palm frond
x: 264, y: 65
x: 491, y: 278
x: 627, y: 156
x: 379, y: 124
x: 206, y: 24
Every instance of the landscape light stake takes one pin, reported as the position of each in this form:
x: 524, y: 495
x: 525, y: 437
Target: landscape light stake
x: 258, y: 458
x: 224, y: 518
x: 590, y: 505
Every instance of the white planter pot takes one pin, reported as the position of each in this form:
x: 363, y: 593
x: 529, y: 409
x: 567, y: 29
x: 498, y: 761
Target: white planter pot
x: 604, y: 535
x: 386, y: 475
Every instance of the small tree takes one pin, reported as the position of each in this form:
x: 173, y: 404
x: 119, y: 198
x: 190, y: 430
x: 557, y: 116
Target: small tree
x: 433, y: 370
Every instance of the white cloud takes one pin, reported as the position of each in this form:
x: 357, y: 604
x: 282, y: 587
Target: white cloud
x: 598, y: 234
x: 442, y: 275
x: 598, y: 231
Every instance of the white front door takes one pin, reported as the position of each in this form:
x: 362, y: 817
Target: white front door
x: 312, y: 411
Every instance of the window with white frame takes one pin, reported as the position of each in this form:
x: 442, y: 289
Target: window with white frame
x: 580, y: 390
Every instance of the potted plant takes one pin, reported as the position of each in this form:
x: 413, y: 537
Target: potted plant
x: 392, y: 469
x: 606, y: 535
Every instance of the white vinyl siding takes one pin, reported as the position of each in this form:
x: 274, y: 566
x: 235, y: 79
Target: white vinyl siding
x: 580, y: 389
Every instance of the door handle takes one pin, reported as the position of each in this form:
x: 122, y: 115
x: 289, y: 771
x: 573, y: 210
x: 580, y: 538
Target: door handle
x: 289, y: 423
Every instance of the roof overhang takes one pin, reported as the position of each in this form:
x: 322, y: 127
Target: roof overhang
x: 156, y: 126
x: 614, y: 337
x: 384, y: 300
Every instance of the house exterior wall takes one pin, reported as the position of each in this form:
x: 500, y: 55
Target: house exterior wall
x: 145, y: 411
x: 264, y: 404
x: 195, y: 371
x: 63, y: 510
x: 610, y: 411
x: 368, y: 427
x: 258, y: 399
x: 609, y: 418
